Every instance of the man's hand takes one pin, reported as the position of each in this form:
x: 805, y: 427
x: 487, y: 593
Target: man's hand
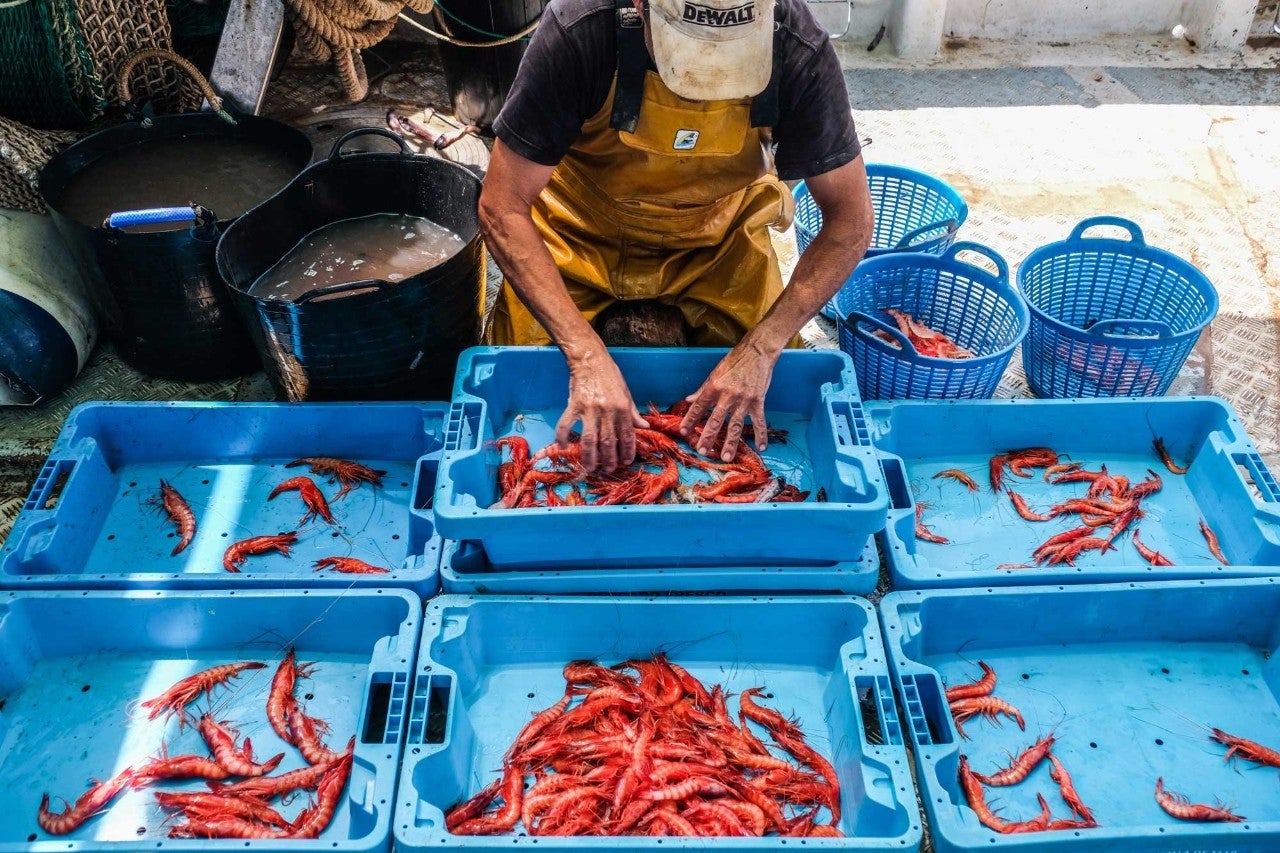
x: 598, y: 396
x: 734, y: 391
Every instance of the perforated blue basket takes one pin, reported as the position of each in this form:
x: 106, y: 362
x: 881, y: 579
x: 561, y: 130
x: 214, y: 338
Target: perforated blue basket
x: 1110, y: 317
x: 976, y: 309
x: 915, y: 212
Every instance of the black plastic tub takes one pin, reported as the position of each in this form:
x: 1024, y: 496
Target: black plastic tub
x: 158, y: 293
x: 370, y: 339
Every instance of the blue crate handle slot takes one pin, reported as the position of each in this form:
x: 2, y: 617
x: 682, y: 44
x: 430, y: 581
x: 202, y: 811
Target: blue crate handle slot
x: 1135, y: 233
x: 341, y: 287
x: 160, y: 216
x: 886, y: 708
x: 46, y: 481
x: 1261, y: 475
x: 455, y: 435
x: 1103, y: 328
x: 908, y: 240
x: 1002, y: 268
x: 336, y: 151
x: 857, y: 321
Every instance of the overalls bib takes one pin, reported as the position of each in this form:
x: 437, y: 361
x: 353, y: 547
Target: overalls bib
x: 662, y: 198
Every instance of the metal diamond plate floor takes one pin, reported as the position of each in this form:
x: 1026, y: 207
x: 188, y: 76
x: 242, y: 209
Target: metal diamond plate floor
x: 1191, y: 154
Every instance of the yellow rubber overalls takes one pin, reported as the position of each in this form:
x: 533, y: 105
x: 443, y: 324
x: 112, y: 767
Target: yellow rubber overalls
x: 676, y: 208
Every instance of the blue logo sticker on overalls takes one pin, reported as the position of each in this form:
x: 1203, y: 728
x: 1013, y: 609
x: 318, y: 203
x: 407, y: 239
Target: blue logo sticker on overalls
x: 685, y: 140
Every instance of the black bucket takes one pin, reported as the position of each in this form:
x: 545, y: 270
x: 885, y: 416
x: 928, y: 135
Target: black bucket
x: 479, y: 78
x: 159, y: 293
x: 372, y: 339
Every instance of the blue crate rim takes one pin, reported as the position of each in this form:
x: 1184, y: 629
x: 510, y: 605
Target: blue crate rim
x: 946, y: 262
x: 873, y: 634
x: 848, y: 393
x: 929, y: 755
x: 1131, y: 248
x: 1211, y: 571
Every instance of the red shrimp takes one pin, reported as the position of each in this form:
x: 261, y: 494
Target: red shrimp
x: 995, y: 470
x: 982, y: 687
x: 205, y: 807
x: 86, y: 806
x: 349, y: 566
x: 312, y: 821
x: 923, y: 531
x: 1247, y: 749
x: 227, y: 827
x: 1212, y: 538
x: 179, y: 512
x: 1153, y: 557
x: 266, y: 787
x: 1158, y: 444
x: 311, y: 496
x: 960, y: 477
x: 349, y: 474
x: 305, y: 735
x: 987, y: 706
x: 976, y: 798
x: 1022, y: 765
x: 1059, y: 774
x: 222, y: 743
x: 179, y: 767
x: 1177, y: 805
x: 238, y: 552
x: 176, y: 698
x: 280, y: 700
x: 1037, y: 824
x: 1020, y: 504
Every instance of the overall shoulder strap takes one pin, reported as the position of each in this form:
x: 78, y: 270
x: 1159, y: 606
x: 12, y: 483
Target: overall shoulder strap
x: 633, y: 62
x: 765, y: 109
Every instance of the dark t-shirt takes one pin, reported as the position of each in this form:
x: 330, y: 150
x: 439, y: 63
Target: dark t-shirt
x: 566, y: 73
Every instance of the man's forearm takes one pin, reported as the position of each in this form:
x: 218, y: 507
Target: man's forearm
x: 818, y: 275
x: 521, y: 253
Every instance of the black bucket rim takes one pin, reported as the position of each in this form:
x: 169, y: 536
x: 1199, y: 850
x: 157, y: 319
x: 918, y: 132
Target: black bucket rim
x: 335, y: 159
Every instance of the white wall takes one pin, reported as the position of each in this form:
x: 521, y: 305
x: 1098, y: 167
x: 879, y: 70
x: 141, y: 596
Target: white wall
x: 1062, y: 19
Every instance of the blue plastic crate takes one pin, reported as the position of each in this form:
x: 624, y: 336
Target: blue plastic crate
x: 1110, y: 317
x: 500, y: 391
x: 488, y: 663
x: 1128, y: 678
x: 976, y: 309
x: 914, y: 212
x: 465, y: 570
x: 73, y: 665
x: 88, y: 523
x: 1227, y: 484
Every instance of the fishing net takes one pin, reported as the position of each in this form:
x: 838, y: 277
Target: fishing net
x: 118, y: 29
x: 47, y: 76
x: 23, y: 151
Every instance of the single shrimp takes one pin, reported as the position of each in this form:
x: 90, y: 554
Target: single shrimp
x: 1153, y: 557
x: 312, y: 821
x: 1059, y: 774
x: 349, y: 566
x: 221, y: 740
x: 86, y: 806
x: 236, y: 554
x: 280, y: 699
x: 960, y: 477
x: 923, y: 531
x: 982, y: 687
x: 986, y: 706
x: 176, y: 698
x: 311, y: 496
x: 179, y: 512
x: 995, y: 470
x: 1177, y: 805
x: 266, y: 787
x: 1038, y: 823
x: 305, y: 733
x: 203, y: 807
x: 976, y: 798
x: 1022, y: 765
x: 178, y: 767
x: 1158, y: 444
x: 1061, y: 468
x: 349, y: 474
x: 1025, y: 511
x: 1212, y: 538
x: 1247, y: 749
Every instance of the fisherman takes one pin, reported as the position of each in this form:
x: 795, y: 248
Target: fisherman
x: 639, y: 157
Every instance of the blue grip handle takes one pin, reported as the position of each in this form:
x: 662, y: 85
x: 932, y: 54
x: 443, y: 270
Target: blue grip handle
x: 152, y: 216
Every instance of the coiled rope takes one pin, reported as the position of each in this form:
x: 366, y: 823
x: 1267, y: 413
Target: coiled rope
x: 337, y: 30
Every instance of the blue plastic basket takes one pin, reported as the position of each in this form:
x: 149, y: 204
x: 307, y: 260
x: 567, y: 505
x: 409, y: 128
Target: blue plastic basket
x: 978, y: 310
x: 915, y: 212
x: 488, y: 663
x: 74, y: 664
x: 1127, y: 677
x: 1110, y: 318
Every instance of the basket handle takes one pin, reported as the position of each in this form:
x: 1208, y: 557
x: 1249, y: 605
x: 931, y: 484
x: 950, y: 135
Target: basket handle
x: 1135, y: 233
x: 1103, y: 328
x: 342, y: 287
x: 855, y: 320
x: 1002, y: 268
x: 206, y: 88
x: 336, y: 152
x: 908, y: 240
